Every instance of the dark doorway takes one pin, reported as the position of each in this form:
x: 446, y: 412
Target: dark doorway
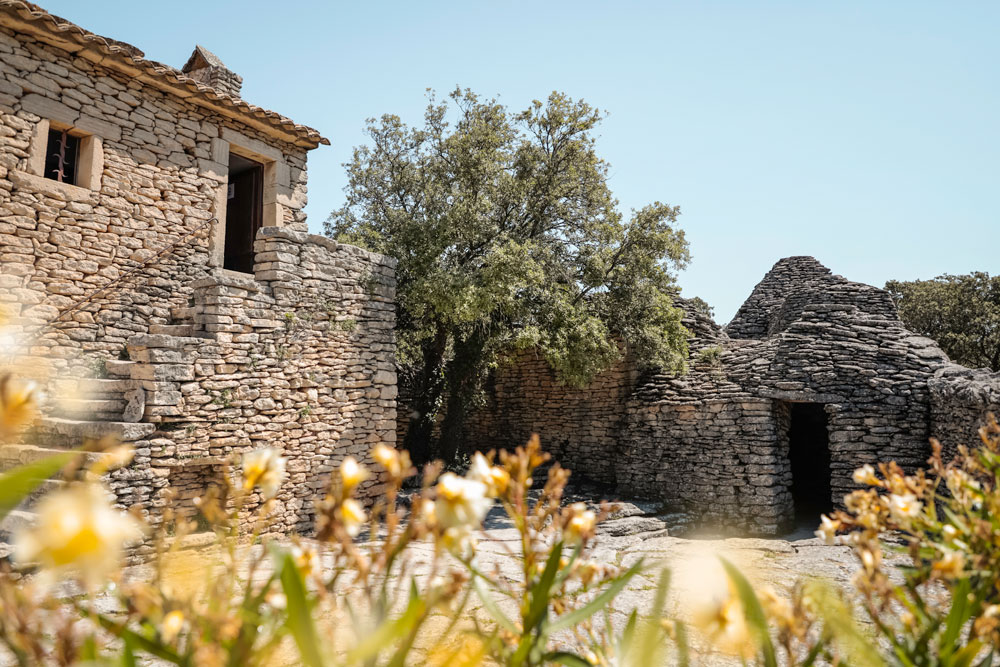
x: 244, y: 211
x: 809, y: 454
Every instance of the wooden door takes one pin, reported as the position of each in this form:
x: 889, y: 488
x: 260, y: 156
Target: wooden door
x: 244, y: 216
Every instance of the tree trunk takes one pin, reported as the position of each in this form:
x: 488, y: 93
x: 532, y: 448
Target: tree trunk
x: 425, y: 400
x: 464, y: 374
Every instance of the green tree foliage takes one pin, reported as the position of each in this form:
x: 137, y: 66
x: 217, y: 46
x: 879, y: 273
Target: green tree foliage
x: 962, y: 313
x: 508, y: 237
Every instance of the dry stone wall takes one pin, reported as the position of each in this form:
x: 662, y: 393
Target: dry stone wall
x: 715, y: 440
x: 197, y: 364
x: 299, y: 357
x: 163, y: 162
x: 961, y: 399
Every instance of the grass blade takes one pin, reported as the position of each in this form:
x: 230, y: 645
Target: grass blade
x: 16, y: 484
x: 300, y: 621
x: 607, y: 595
x: 753, y: 611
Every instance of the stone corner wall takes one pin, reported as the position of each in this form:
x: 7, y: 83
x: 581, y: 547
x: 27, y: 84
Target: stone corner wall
x: 299, y: 357
x: 961, y: 398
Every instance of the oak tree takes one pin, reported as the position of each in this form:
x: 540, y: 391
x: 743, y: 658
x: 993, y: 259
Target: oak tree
x: 962, y: 313
x: 508, y: 237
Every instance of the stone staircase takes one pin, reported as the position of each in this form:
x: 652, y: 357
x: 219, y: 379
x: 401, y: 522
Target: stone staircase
x: 125, y: 405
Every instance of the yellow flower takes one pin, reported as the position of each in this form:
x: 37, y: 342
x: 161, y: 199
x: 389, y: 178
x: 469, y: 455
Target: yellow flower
x: 352, y: 473
x: 866, y: 475
x: 467, y: 651
x: 388, y: 458
x: 18, y: 404
x: 495, y: 478
x: 172, y: 625
x: 963, y: 487
x: 427, y: 513
x: 263, y: 468
x: 950, y: 565
x: 828, y: 529
x: 460, y: 501
x: 581, y: 525
x: 904, y: 507
x: 352, y: 515
x: 459, y: 541
x: 723, y: 623
x: 78, y: 529
x: 306, y: 559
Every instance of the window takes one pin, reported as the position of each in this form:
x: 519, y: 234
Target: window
x: 65, y: 158
x: 62, y: 154
x: 244, y: 211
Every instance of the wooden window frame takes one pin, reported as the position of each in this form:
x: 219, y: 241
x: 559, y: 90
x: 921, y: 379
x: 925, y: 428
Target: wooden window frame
x: 90, y: 161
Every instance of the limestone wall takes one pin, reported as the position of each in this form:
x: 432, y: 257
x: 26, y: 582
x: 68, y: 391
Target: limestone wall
x: 961, y: 398
x: 207, y: 363
x: 300, y: 358
x: 580, y: 427
x: 161, y: 168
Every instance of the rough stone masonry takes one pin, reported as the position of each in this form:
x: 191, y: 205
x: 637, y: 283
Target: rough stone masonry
x: 814, y: 376
x: 127, y: 188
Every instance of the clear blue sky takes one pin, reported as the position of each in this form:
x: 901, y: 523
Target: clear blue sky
x: 864, y: 133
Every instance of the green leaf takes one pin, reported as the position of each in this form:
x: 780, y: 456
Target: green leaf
x: 839, y: 621
x: 388, y: 632
x: 16, y: 484
x: 576, y: 616
x: 566, y: 658
x: 300, y: 621
x: 128, y: 656
x: 491, y: 606
x: 965, y: 657
x: 753, y: 611
x: 683, y: 652
x: 134, y: 638
x: 961, y: 610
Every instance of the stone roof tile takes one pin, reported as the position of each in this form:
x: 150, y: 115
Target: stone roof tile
x: 121, y: 55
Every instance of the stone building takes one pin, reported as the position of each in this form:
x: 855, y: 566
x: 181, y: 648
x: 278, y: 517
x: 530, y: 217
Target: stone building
x: 154, y: 256
x: 814, y: 376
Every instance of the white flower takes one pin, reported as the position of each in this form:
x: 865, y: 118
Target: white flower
x: 388, y: 458
x: 460, y: 501
x: 866, y: 475
x: 173, y: 623
x: 78, y: 529
x: 352, y: 473
x: 904, y: 507
x: 459, y: 541
x: 306, y: 559
x: 352, y: 515
x: 264, y: 468
x: 828, y: 529
x: 963, y: 487
x: 495, y: 478
x: 951, y: 564
x: 581, y: 525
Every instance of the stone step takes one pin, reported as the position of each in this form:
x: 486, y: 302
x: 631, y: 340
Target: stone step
x: 103, y: 387
x: 69, y: 429
x: 120, y: 369
x: 13, y: 455
x: 162, y: 341
x: 46, y: 487
x: 91, y: 409
x: 16, y: 521
x: 182, y: 314
x: 185, y: 330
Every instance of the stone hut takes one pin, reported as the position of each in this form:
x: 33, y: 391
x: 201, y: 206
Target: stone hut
x: 154, y: 256
x: 814, y: 376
